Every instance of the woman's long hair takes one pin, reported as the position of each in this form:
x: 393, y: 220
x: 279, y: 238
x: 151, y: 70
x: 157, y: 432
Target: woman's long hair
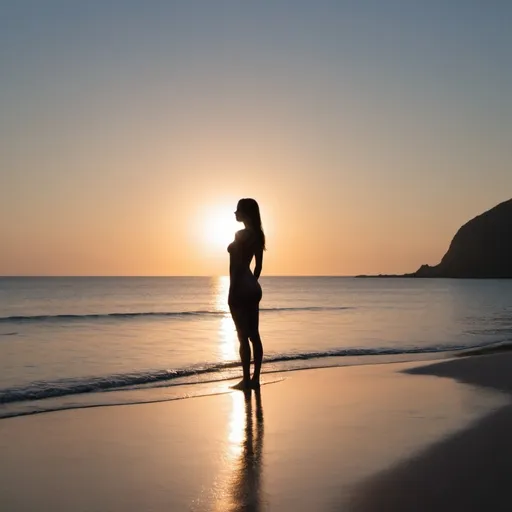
x: 250, y: 209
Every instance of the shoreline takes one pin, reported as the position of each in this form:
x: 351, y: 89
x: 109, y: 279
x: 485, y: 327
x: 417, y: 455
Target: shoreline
x: 197, y: 389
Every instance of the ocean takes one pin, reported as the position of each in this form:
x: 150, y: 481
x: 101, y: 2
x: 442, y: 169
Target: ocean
x: 72, y: 342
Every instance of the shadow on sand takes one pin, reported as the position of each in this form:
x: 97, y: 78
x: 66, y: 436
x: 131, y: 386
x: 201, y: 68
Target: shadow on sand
x: 468, y: 471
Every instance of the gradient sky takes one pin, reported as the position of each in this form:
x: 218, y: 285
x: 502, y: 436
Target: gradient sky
x: 368, y: 131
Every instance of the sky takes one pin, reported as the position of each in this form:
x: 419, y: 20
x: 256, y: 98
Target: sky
x: 368, y: 132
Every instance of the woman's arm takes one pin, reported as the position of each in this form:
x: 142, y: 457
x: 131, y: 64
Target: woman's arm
x: 259, y: 262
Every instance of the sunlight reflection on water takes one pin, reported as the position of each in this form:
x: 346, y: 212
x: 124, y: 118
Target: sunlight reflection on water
x: 227, y: 334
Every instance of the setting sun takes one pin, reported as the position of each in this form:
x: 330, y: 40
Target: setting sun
x: 220, y: 226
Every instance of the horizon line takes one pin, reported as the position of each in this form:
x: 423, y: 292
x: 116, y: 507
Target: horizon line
x: 7, y: 276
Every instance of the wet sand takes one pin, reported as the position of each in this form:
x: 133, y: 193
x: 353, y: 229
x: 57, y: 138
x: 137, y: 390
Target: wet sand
x: 331, y: 439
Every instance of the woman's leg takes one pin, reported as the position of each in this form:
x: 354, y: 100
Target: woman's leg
x: 245, y: 357
x: 257, y: 346
x: 240, y: 319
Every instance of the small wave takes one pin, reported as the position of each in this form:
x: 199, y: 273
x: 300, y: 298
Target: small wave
x: 50, y: 389
x: 176, y: 314
x: 491, y: 348
x: 40, y: 390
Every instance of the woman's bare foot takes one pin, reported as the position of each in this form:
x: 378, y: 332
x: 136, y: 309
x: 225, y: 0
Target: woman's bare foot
x: 242, y: 385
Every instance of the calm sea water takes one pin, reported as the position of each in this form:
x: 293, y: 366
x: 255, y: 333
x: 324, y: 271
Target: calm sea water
x: 75, y: 342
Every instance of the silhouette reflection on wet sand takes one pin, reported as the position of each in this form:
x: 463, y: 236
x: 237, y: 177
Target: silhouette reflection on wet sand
x: 244, y: 488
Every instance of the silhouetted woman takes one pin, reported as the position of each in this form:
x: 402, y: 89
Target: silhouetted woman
x: 245, y: 290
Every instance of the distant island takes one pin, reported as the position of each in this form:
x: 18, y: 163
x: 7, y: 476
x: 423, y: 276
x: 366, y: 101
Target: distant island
x: 481, y: 248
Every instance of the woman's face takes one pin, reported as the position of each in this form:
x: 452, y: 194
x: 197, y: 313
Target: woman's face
x: 238, y: 214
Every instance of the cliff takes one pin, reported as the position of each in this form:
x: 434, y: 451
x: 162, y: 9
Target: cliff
x: 481, y: 248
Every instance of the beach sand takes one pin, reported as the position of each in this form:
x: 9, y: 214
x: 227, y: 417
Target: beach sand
x: 468, y: 471
x: 405, y: 436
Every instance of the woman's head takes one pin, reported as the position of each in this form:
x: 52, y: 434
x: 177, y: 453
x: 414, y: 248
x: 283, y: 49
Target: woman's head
x: 248, y: 212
